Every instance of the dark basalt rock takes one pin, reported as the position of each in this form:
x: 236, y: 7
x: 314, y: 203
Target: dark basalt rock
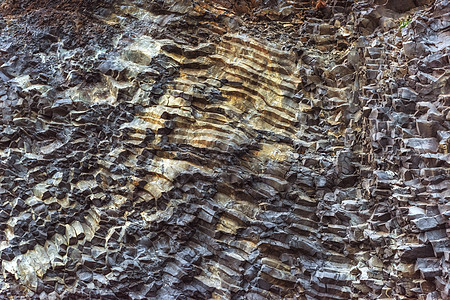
x: 224, y: 149
x: 405, y: 5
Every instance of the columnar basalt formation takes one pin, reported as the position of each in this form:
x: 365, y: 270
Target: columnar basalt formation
x: 224, y: 149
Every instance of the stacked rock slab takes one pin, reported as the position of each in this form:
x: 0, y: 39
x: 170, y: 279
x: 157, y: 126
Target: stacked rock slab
x: 224, y: 149
x: 406, y: 100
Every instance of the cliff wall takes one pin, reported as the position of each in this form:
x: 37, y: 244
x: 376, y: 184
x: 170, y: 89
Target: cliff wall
x: 224, y: 149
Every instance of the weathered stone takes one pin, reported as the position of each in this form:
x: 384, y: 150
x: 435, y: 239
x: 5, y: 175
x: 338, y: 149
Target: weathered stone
x: 426, y: 129
x: 412, y: 252
x: 224, y: 149
x: 429, y: 267
x: 401, y: 6
x: 429, y: 223
x: 422, y: 145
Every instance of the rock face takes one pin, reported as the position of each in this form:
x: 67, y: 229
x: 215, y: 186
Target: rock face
x: 224, y: 149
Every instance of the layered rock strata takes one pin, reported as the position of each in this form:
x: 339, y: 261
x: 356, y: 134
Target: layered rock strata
x: 224, y: 149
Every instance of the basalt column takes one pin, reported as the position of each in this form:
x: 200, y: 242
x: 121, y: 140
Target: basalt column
x: 224, y: 149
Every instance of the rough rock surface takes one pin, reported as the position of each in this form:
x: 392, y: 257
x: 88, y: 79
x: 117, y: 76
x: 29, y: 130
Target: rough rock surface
x: 224, y: 149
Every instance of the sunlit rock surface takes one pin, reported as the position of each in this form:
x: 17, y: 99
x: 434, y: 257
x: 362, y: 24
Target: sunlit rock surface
x: 224, y: 149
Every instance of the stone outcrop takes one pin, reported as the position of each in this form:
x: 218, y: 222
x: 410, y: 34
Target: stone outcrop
x: 224, y: 149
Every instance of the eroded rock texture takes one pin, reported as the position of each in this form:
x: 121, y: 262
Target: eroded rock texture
x: 224, y: 149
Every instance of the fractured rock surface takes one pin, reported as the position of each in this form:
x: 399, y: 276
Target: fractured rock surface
x: 224, y: 149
